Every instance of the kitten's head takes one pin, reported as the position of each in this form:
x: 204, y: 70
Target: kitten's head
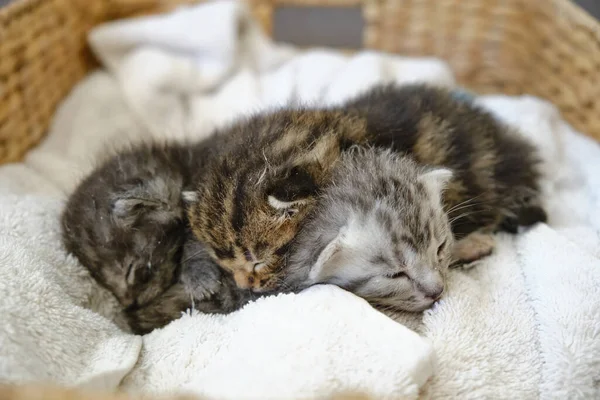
x: 378, y: 231
x: 259, y: 224
x: 127, y: 233
x: 252, y: 201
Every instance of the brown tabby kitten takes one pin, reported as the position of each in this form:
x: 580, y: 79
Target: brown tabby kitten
x: 125, y: 221
x: 253, y: 199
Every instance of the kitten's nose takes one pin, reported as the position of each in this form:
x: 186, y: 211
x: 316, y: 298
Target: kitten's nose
x: 435, y: 293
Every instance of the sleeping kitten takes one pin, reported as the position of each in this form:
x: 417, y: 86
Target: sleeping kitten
x: 379, y: 231
x: 252, y: 201
x: 126, y: 223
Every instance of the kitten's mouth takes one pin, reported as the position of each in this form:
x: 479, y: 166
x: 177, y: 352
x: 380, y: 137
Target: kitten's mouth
x: 408, y: 307
x: 254, y: 281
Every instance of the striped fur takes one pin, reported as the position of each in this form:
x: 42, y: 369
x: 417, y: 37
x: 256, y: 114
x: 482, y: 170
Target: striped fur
x: 254, y: 199
x: 379, y: 231
x: 126, y: 223
x: 495, y: 170
x: 249, y: 205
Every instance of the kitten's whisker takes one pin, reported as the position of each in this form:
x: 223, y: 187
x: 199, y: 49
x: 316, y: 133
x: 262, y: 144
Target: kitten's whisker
x: 466, y: 214
x: 282, y: 284
x: 463, y: 205
x: 454, y: 218
x: 453, y: 208
x: 192, y: 256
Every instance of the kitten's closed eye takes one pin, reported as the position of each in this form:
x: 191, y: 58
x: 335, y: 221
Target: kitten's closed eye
x: 441, y: 248
x: 285, y: 210
x: 397, y: 275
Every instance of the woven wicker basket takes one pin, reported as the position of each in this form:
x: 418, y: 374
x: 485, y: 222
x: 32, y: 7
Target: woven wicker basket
x: 547, y: 48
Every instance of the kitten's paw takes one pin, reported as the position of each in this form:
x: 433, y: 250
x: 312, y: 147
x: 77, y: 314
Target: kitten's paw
x: 471, y: 249
x: 201, y: 281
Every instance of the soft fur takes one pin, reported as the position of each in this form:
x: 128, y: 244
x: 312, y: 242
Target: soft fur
x: 202, y: 286
x: 252, y: 199
x: 496, y: 178
x: 126, y: 224
x: 379, y: 231
x: 266, y: 182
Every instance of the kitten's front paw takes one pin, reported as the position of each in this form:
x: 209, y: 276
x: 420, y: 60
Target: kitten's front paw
x: 202, y: 281
x: 471, y: 249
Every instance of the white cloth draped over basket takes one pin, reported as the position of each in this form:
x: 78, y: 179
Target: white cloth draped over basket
x: 523, y: 324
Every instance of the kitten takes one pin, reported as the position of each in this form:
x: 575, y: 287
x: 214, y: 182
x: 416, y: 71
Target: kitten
x: 126, y: 223
x: 253, y: 199
x: 379, y: 231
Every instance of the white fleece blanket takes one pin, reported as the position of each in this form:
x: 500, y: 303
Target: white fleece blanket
x: 523, y: 324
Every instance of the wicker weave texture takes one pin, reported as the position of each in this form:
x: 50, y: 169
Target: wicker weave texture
x: 547, y: 48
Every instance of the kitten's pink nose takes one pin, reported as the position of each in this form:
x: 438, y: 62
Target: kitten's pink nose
x: 435, y: 293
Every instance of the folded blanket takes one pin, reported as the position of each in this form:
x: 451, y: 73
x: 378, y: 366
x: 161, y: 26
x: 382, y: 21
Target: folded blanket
x: 307, y: 346
x: 522, y: 324
x: 48, y: 332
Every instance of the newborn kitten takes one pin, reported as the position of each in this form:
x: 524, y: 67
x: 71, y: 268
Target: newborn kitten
x: 126, y: 223
x: 379, y: 231
x: 253, y: 200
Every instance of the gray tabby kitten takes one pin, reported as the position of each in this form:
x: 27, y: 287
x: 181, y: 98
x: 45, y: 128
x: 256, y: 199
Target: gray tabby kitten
x: 379, y: 230
x: 126, y: 224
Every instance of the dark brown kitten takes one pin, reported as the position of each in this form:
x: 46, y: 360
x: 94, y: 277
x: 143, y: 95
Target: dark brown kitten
x: 253, y: 200
x: 126, y: 224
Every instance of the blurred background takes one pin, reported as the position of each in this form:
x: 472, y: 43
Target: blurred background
x: 592, y: 6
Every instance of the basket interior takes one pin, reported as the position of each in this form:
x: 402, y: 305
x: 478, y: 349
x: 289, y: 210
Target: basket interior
x: 549, y: 49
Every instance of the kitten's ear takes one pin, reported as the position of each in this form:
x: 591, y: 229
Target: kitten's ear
x: 437, y: 179
x: 295, y: 188
x: 126, y: 207
x: 328, y: 262
x: 132, y: 205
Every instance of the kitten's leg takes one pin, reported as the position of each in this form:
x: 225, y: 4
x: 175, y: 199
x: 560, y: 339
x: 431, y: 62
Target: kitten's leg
x: 213, y: 290
x: 174, y: 301
x: 472, y: 248
x: 200, y: 275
